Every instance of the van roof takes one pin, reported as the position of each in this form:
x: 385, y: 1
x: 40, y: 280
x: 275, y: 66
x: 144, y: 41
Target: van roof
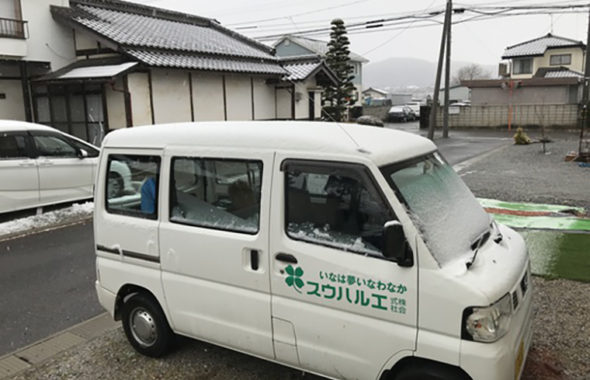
x: 382, y: 145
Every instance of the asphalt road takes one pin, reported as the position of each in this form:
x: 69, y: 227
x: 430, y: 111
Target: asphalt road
x: 47, y: 279
x: 47, y: 283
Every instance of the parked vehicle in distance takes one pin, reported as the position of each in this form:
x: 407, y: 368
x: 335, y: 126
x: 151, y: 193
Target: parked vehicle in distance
x: 348, y: 251
x: 400, y: 113
x: 40, y: 165
x: 415, y: 107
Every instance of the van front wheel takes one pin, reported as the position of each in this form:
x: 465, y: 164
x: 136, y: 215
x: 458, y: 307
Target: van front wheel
x: 146, y: 326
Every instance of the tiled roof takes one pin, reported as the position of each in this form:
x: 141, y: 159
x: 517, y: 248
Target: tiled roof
x: 169, y: 39
x: 300, y: 71
x: 318, y: 47
x: 196, y: 62
x: 538, y: 46
x: 561, y: 72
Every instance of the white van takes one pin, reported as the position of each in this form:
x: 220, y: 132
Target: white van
x: 347, y: 251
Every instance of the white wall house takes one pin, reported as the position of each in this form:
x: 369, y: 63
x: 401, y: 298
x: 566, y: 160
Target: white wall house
x: 549, y: 53
x: 99, y: 65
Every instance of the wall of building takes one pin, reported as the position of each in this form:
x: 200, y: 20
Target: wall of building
x: 577, y: 63
x: 287, y: 49
x: 457, y: 94
x: 302, y: 90
x: 264, y: 99
x: 171, y: 96
x: 524, y: 95
x: 546, y: 115
x: 141, y: 107
x: 376, y: 111
x: 11, y: 106
x: 208, y: 97
x: 48, y: 40
x: 115, y: 102
x: 238, y: 92
x: 283, y: 101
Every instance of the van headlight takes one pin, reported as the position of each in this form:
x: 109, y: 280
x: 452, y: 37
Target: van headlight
x: 487, y: 324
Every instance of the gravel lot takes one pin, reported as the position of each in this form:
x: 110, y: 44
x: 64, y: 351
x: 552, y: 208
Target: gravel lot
x: 523, y: 173
x: 560, y: 350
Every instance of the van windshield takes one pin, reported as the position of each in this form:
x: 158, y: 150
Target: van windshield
x: 447, y: 214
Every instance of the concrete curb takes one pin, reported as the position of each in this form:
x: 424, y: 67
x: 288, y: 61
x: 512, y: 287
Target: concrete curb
x: 46, y: 348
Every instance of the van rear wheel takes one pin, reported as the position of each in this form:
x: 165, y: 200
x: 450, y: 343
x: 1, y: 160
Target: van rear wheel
x: 146, y: 326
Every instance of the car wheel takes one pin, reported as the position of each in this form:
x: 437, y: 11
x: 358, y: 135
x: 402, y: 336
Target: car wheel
x: 146, y: 326
x: 115, y: 186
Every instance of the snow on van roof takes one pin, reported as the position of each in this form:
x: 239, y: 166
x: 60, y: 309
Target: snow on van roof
x: 382, y: 145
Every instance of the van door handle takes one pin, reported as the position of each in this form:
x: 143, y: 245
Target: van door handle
x: 287, y: 258
x: 254, y: 264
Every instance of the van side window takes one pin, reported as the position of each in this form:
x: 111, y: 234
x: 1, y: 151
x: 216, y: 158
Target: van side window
x: 222, y: 194
x: 132, y: 185
x: 13, y: 146
x: 336, y: 205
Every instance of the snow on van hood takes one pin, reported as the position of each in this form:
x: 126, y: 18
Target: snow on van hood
x: 496, y: 269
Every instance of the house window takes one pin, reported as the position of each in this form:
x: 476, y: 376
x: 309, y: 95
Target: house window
x: 560, y: 59
x: 11, y: 24
x: 523, y: 66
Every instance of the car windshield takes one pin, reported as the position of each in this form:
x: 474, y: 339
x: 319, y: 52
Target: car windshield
x: 447, y: 214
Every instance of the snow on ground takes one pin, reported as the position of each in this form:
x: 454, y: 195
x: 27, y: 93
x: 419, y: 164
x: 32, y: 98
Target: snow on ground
x: 47, y: 220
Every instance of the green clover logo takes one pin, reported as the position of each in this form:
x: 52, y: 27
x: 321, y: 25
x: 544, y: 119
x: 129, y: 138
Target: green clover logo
x: 294, y: 278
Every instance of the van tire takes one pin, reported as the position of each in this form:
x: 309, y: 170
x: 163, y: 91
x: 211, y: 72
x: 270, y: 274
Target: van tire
x: 146, y: 326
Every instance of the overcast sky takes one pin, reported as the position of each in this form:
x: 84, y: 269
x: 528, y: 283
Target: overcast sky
x: 477, y: 41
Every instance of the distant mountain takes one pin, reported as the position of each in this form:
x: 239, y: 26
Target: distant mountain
x: 399, y: 73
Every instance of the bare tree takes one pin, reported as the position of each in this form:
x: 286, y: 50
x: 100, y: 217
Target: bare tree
x: 470, y: 72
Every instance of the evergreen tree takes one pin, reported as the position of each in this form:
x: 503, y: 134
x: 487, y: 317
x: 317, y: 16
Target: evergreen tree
x: 337, y: 97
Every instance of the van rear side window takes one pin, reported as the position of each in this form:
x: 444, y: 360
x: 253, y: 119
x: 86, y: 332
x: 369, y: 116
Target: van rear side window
x: 222, y: 194
x: 132, y: 185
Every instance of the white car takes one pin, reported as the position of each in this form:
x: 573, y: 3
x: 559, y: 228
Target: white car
x: 40, y: 166
x: 415, y: 107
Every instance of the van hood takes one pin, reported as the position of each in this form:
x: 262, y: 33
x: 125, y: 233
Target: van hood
x: 497, y: 267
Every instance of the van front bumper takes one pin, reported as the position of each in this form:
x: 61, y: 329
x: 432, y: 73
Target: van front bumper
x: 106, y: 298
x: 505, y: 358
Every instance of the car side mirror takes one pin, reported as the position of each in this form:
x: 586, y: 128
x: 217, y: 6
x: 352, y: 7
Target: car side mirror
x: 81, y: 153
x: 396, y: 246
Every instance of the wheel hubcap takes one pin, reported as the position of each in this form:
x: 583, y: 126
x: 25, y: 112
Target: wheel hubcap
x: 143, y: 327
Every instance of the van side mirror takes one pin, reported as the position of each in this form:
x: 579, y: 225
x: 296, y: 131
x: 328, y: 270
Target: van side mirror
x: 81, y: 153
x: 396, y: 246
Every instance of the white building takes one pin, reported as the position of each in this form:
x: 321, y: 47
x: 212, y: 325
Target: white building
x: 91, y: 66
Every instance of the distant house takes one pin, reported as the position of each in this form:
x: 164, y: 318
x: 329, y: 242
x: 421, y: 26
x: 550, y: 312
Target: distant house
x: 372, y: 94
x: 98, y: 65
x: 545, y: 56
x: 292, y: 46
x: 545, y: 70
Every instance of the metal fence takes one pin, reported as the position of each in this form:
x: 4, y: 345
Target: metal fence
x: 13, y: 28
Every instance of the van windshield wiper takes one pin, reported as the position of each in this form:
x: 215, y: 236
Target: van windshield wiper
x: 476, y: 245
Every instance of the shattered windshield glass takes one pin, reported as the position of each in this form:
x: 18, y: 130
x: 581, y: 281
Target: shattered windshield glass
x: 449, y: 217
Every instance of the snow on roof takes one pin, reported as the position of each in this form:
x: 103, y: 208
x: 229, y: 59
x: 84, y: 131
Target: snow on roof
x: 538, y: 46
x: 378, y: 90
x: 105, y: 71
x: 382, y: 145
x: 563, y: 74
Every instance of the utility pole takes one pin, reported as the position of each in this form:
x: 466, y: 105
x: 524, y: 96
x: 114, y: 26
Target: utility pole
x: 584, y: 110
x: 434, y: 107
x: 447, y: 73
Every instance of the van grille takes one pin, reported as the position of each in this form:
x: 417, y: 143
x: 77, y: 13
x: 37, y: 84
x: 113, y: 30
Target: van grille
x: 514, y: 300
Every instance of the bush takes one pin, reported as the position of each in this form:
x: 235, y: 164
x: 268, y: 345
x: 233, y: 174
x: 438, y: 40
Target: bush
x: 521, y: 138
